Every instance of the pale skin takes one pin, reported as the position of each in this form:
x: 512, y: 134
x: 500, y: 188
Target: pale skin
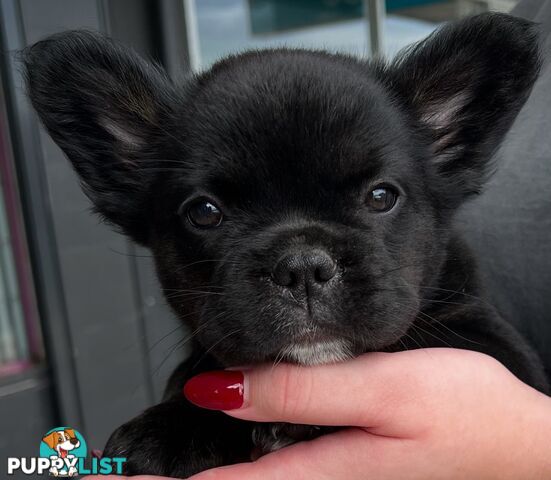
x: 423, y: 414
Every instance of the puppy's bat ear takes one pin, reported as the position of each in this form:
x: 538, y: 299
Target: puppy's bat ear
x: 466, y: 83
x: 102, y: 104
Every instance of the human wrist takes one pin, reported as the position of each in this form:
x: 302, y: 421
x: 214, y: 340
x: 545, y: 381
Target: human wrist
x: 542, y: 440
x: 533, y: 441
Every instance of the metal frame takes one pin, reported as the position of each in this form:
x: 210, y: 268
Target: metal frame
x: 192, y: 34
x: 375, y: 14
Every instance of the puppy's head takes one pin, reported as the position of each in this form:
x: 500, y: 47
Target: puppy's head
x: 295, y: 201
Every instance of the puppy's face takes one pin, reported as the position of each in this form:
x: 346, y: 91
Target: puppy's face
x: 296, y: 202
x: 301, y: 225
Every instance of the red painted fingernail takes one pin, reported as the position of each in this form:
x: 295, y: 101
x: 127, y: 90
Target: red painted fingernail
x: 220, y: 390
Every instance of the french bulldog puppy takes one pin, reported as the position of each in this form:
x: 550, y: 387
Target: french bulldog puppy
x: 299, y: 205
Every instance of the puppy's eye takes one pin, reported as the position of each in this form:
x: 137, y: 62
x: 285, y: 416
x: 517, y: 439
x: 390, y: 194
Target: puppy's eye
x: 204, y: 214
x: 381, y: 199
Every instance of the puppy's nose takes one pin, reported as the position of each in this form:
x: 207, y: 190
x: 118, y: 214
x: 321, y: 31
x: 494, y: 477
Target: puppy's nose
x: 307, y: 267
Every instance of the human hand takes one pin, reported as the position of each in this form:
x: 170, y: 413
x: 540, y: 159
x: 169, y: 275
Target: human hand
x: 422, y: 414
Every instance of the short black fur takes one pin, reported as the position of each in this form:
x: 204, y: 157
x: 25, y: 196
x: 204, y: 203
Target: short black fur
x: 290, y: 145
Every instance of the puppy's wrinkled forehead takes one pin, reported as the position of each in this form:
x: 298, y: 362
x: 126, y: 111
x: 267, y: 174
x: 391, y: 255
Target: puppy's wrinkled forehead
x: 290, y: 118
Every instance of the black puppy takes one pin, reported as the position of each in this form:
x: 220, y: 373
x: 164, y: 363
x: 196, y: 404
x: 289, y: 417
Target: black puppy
x: 304, y: 200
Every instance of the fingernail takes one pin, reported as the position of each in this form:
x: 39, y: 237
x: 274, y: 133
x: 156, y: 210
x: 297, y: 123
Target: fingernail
x: 220, y: 390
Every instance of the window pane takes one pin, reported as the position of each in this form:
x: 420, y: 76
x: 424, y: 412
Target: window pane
x: 13, y: 346
x: 229, y: 26
x: 20, y: 342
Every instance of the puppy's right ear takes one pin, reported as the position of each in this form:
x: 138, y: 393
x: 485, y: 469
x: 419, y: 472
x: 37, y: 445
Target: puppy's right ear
x: 102, y: 104
x: 465, y: 84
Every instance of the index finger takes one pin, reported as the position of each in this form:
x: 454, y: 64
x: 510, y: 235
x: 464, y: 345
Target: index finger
x: 365, y: 391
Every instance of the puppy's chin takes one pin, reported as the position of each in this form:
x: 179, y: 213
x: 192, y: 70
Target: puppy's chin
x: 317, y: 352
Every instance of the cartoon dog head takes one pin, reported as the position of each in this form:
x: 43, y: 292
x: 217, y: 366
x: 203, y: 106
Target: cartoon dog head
x: 62, y: 441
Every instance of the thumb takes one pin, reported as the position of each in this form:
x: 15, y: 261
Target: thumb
x: 368, y: 391
x: 332, y: 457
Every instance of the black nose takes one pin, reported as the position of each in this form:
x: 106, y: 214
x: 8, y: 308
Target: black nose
x: 74, y: 441
x: 313, y: 266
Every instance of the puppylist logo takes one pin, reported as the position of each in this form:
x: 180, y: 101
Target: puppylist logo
x: 63, y: 453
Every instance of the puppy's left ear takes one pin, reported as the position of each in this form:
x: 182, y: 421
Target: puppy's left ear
x: 104, y: 106
x: 466, y: 83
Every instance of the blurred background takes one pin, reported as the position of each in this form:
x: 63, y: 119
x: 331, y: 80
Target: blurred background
x: 358, y: 27
x: 86, y: 340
